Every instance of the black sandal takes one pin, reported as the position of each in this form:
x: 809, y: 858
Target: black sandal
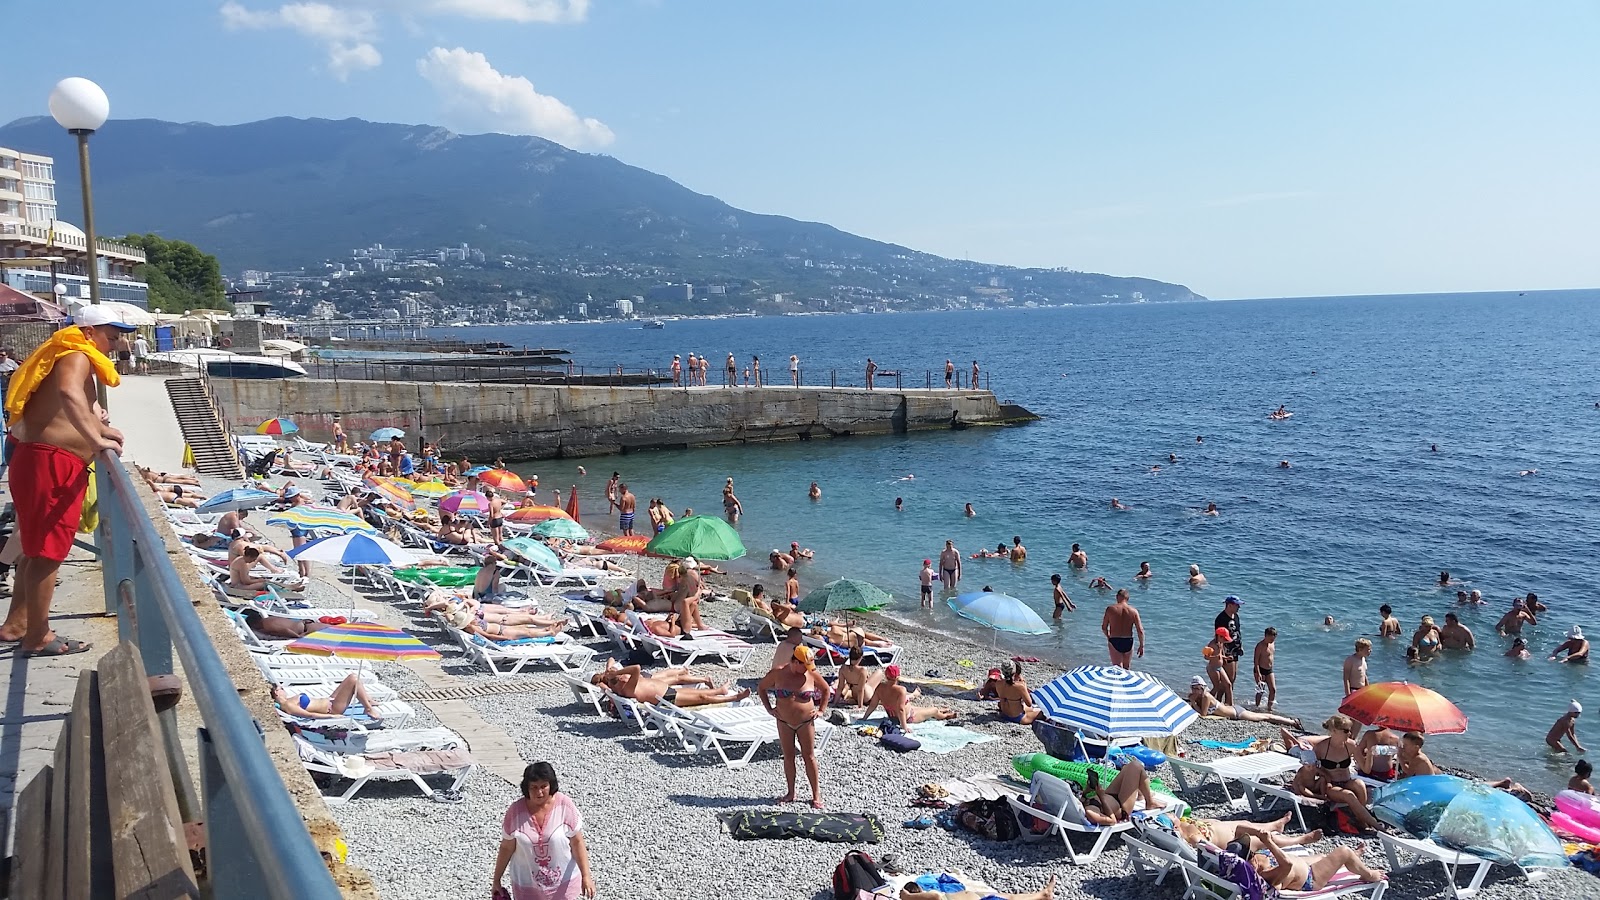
x: 58, y: 646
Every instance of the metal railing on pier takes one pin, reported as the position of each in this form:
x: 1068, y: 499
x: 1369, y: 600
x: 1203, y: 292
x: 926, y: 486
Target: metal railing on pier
x: 257, y: 842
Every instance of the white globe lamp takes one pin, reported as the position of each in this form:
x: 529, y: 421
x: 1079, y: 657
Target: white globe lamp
x: 79, y: 105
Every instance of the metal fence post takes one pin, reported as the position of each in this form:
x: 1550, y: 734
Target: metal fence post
x: 154, y: 638
x: 108, y: 536
x: 833, y: 378
x: 236, y: 873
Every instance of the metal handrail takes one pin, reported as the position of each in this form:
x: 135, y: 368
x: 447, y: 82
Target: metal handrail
x: 271, y: 832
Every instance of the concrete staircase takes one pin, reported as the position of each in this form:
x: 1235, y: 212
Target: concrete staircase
x: 202, y: 429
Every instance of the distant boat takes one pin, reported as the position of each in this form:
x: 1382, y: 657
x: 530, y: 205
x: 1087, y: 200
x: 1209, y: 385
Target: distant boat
x: 654, y: 323
x: 227, y: 364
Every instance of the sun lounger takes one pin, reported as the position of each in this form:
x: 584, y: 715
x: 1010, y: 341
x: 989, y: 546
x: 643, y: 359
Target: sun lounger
x: 1053, y: 801
x: 519, y: 574
x: 395, y: 714
x: 833, y: 655
x: 292, y: 669
x: 409, y: 765
x: 1147, y: 860
x: 1264, y: 797
x: 1421, y: 852
x: 587, y: 615
x: 1156, y: 863
x: 511, y: 658
x: 713, y: 729
x: 381, y: 740
x: 1254, y: 767
x: 709, y: 645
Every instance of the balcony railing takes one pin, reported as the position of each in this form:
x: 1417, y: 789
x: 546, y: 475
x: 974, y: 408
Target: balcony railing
x: 69, y: 240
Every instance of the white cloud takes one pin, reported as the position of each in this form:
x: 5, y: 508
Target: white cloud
x: 478, y: 94
x: 547, y: 11
x: 346, y: 34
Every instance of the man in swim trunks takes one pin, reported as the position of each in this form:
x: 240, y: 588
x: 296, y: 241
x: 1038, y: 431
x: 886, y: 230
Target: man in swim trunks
x: 1059, y: 596
x: 497, y: 514
x: 1390, y: 626
x: 925, y: 578
x: 59, y: 428
x: 626, y: 504
x: 1576, y: 646
x: 1566, y: 728
x: 1454, y: 635
x: 1355, y: 667
x: 1120, y: 624
x: 670, y: 685
x: 1511, y: 623
x: 950, y: 566
x: 949, y: 373
x: 1264, y: 659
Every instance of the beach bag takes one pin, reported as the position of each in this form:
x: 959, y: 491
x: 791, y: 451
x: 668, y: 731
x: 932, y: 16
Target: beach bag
x: 834, y: 828
x: 856, y: 875
x: 990, y: 818
x: 900, y: 742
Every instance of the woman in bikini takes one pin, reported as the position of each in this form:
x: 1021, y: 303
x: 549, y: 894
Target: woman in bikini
x: 896, y: 703
x: 1310, y: 872
x: 307, y: 707
x: 797, y: 696
x: 1011, y: 690
x: 1206, y: 704
x: 1116, y: 801
x: 1331, y: 776
x: 1222, y: 832
x: 490, y: 613
x: 856, y: 683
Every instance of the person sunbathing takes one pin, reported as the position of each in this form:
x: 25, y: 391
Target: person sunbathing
x: 914, y: 891
x: 660, y: 626
x: 453, y: 606
x: 169, y: 477
x: 238, y: 545
x: 856, y: 682
x: 1115, y: 802
x: 1206, y: 704
x: 778, y: 611
x: 841, y: 634
x: 669, y: 685
x: 1222, y: 832
x: 644, y: 599
x: 1311, y: 872
x: 896, y: 702
x: 1016, y: 704
x: 461, y: 618
x: 279, y: 627
x: 453, y: 530
x: 212, y: 540
x: 1331, y: 777
x: 305, y: 706
x: 239, y: 575
x: 177, y: 495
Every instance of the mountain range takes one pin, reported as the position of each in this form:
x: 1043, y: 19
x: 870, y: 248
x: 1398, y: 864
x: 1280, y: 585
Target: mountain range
x: 288, y: 193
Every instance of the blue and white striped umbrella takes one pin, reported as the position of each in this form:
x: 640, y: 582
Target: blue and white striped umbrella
x: 1002, y: 612
x: 1112, y: 702
x: 235, y: 499
x: 355, y: 549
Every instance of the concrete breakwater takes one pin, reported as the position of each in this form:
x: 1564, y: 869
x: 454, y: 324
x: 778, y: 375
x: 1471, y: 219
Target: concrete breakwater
x: 523, y: 422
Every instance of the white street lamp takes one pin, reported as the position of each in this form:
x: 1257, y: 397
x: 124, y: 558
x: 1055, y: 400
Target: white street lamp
x: 81, y: 107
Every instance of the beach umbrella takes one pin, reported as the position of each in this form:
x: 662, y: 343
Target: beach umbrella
x: 1002, y: 612
x: 391, y: 491
x: 355, y: 549
x: 362, y: 640
x: 430, y: 489
x: 626, y: 543
x: 561, y: 528
x: 235, y: 499
x: 439, y: 576
x: 465, y: 503
x: 572, y: 505
x: 319, y: 518
x: 1404, y: 707
x: 707, y: 537
x: 475, y: 471
x: 534, y: 552
x: 277, y: 426
x: 529, y: 515
x: 845, y: 593
x: 503, y: 480
x: 387, y: 434
x: 1114, y: 702
x: 1469, y: 816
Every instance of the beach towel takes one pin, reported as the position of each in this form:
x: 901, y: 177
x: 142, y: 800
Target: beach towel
x: 1226, y: 745
x: 37, y: 367
x: 942, y: 737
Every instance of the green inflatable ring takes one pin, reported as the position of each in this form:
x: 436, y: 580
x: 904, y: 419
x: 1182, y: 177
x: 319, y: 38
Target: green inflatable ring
x: 1076, y: 772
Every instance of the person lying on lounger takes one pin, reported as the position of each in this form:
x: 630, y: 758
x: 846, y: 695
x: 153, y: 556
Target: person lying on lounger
x: 1206, y: 704
x: 1115, y: 802
x: 278, y: 627
x: 307, y: 707
x: 1307, y: 873
x: 671, y: 685
x: 842, y: 634
x: 646, y: 599
x: 1222, y: 832
x: 462, y: 619
x: 454, y: 605
x: 169, y: 477
x: 777, y: 610
x: 452, y: 530
x: 664, y: 626
x: 914, y: 891
x: 896, y: 702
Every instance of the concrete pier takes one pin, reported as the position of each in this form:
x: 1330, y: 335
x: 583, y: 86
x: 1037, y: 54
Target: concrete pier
x: 521, y: 422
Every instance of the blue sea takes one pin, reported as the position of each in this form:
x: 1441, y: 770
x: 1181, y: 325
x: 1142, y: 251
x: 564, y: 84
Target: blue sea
x: 1367, y: 514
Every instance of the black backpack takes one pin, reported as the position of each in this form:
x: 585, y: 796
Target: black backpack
x: 857, y: 872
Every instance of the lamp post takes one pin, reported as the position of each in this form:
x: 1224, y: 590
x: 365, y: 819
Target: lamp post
x: 81, y: 107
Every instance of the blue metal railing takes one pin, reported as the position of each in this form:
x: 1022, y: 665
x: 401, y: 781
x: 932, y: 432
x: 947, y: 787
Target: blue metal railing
x: 257, y: 842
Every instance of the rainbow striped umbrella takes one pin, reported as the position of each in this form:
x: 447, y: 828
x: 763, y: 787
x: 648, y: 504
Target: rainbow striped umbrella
x: 503, y: 480
x: 392, y: 492
x: 277, y: 426
x: 529, y: 515
x: 464, y: 503
x: 363, y: 640
x: 320, y: 518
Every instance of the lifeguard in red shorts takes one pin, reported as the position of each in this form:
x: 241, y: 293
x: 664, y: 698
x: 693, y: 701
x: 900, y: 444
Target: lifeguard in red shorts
x: 59, y: 427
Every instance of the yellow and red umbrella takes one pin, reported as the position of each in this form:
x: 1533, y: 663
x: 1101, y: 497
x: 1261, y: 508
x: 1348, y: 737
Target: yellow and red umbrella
x: 628, y: 543
x: 503, y: 480
x: 277, y: 426
x: 1404, y: 707
x: 530, y: 515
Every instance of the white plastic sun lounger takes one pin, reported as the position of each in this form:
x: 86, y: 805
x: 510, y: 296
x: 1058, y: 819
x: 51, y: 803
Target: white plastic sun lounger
x: 511, y: 659
x: 395, y: 713
x: 712, y: 729
x: 1064, y: 813
x: 1421, y: 852
x: 832, y: 655
x: 398, y: 766
x: 1253, y: 767
x: 708, y: 645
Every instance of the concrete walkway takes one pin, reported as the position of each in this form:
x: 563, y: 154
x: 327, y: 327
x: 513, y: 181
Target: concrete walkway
x: 141, y: 409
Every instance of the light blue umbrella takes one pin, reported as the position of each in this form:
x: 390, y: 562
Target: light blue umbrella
x: 1002, y: 612
x: 475, y: 470
x: 535, y: 552
x: 235, y: 499
x: 1113, y: 702
x: 387, y: 434
x: 560, y: 528
x: 355, y: 549
x: 1469, y: 816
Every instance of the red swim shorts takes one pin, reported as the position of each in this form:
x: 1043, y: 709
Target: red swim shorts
x: 47, y: 485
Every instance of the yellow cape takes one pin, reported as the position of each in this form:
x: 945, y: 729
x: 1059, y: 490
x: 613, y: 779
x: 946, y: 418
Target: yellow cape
x: 37, y: 367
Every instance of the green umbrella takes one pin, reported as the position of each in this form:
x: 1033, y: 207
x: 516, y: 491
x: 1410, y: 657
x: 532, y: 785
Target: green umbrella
x: 704, y: 536
x: 561, y: 528
x: 534, y: 552
x: 846, y: 593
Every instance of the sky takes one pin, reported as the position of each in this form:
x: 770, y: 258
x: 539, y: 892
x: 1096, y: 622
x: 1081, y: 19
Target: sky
x: 1246, y: 149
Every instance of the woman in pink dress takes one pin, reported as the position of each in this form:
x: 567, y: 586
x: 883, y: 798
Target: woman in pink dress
x: 543, y: 846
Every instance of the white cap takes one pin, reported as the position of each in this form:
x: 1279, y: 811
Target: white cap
x: 1575, y: 632
x: 1575, y: 707
x: 690, y: 562
x: 96, y: 314
x: 1197, y: 681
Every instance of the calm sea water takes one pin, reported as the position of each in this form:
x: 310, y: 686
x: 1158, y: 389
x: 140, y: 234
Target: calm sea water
x: 1367, y: 514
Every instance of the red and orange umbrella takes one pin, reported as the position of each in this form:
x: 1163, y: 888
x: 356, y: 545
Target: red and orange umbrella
x: 530, y: 515
x: 503, y: 480
x: 572, y: 505
x: 392, y: 492
x: 631, y: 543
x: 1404, y: 707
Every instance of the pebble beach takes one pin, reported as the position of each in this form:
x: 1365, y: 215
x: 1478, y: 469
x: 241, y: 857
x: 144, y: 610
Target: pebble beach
x: 650, y: 807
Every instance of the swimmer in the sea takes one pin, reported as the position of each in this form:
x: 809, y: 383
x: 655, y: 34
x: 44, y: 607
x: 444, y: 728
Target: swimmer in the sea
x: 1099, y: 583
x: 582, y: 471
x: 1117, y: 504
x: 1172, y: 457
x: 1328, y: 622
x: 968, y: 511
x: 1144, y: 572
x: 1526, y: 472
x: 1444, y: 578
x: 1284, y: 464
x: 1433, y: 448
x: 1199, y: 439
x: 909, y: 478
x: 1211, y: 509
x: 899, y: 504
x: 1155, y: 470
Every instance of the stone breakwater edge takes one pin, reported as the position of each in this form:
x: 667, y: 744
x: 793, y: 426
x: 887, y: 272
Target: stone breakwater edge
x: 651, y: 809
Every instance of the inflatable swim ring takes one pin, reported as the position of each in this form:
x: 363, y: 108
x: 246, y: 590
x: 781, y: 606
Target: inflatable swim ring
x: 1581, y: 808
x: 1564, y: 822
x: 1076, y: 772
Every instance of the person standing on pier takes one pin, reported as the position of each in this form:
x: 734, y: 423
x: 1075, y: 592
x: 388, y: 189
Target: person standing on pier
x: 677, y: 370
x: 755, y: 368
x: 625, y: 508
x: 733, y: 371
x: 60, y: 428
x: 794, y: 369
x: 872, y: 369
x: 949, y: 373
x: 974, y: 384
